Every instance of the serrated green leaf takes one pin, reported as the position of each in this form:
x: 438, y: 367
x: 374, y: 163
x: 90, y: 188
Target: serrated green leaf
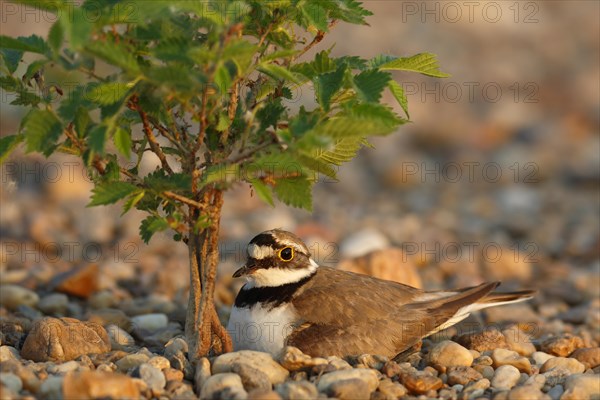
x: 379, y: 60
x: 263, y: 191
x: 318, y: 166
x: 110, y: 192
x: 97, y: 139
x: 109, y: 93
x: 9, y: 83
x: 8, y: 144
x: 81, y: 121
x: 132, y: 201
x: 151, y: 225
x: 423, y: 63
x: 398, y: 93
x: 41, y: 129
x: 32, y: 44
x: 350, y: 11
x: 328, y: 84
x: 159, y: 181
x: 295, y: 192
x: 221, y: 173
x: 11, y: 59
x: 315, y: 15
x: 279, y: 73
x: 122, y: 140
x: 370, y: 84
x: 79, y: 26
x: 341, y: 151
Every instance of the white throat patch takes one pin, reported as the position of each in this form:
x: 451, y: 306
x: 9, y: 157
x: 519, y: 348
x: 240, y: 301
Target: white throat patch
x: 272, y: 277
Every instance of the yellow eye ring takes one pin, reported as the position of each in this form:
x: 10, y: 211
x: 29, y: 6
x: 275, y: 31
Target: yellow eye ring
x: 286, y: 254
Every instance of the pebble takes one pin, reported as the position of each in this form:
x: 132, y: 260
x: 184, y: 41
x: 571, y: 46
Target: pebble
x: 508, y: 357
x: 63, y: 339
x: 485, y: 340
x: 159, y: 362
x: 202, y: 372
x: 11, y: 333
x: 421, y: 382
x: 505, y: 377
x: 223, y: 385
x: 293, y: 359
x: 569, y: 364
x: 362, y: 377
x: 390, y: 389
x: 448, y: 353
x: 12, y: 296
x: 52, y: 388
x: 582, y: 386
x: 53, y: 304
x: 131, y: 361
x: 590, y: 357
x: 254, y: 359
x: 252, y: 378
x: 9, y: 353
x: 391, y: 264
x: 518, y: 341
x: 556, y: 392
x: 362, y: 242
x: 172, y: 374
x: 119, y: 338
x: 563, y: 345
x: 152, y: 376
x: 526, y: 392
x: 301, y: 390
x: 463, y: 375
x: 110, y: 316
x: 94, y: 384
x: 540, y: 357
x: 80, y: 282
x: 63, y: 368
x: 11, y: 381
x: 150, y: 322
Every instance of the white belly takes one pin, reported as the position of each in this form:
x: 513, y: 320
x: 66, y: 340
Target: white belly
x: 261, y: 329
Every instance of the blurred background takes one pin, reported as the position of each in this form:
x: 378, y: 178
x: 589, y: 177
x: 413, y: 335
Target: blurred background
x: 496, y: 178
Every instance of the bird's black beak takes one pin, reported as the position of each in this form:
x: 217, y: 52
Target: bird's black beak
x: 245, y: 270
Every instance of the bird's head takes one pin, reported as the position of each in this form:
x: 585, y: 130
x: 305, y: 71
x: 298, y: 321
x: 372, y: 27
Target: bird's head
x: 276, y: 258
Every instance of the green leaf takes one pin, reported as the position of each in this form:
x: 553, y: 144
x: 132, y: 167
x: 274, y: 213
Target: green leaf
x: 42, y: 129
x: 318, y: 166
x: 115, y: 54
x: 379, y: 60
x: 32, y: 44
x: 423, y: 63
x: 8, y: 144
x: 326, y: 85
x: 151, y: 225
x: 97, y: 139
x: 279, y: 73
x: 398, y: 93
x: 263, y: 191
x: 315, y: 15
x: 56, y: 36
x: 81, y: 121
x: 221, y: 173
x: 343, y: 150
x: 350, y: 11
x: 370, y: 84
x: 295, y: 192
x: 32, y: 69
x: 110, y: 192
x: 159, y: 181
x: 122, y: 140
x: 132, y: 201
x: 11, y: 58
x: 109, y: 93
x: 79, y: 26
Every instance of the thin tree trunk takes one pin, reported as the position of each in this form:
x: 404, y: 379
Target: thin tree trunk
x: 203, y: 329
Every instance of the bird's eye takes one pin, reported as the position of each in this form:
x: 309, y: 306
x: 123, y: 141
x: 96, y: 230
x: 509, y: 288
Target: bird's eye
x: 286, y: 254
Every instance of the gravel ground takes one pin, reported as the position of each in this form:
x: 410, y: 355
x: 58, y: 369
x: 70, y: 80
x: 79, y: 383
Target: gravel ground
x: 486, y: 190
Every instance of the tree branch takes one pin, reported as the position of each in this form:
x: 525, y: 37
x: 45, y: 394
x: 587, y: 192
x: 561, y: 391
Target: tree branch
x: 316, y: 40
x: 154, y: 146
x: 183, y: 199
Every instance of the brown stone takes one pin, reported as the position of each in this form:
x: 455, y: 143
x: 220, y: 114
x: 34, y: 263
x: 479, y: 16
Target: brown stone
x: 80, y: 282
x: 421, y: 383
x: 462, y: 375
x: 94, y: 385
x: 589, y: 357
x: 63, y: 339
x: 391, y: 264
x: 486, y: 340
x: 562, y: 346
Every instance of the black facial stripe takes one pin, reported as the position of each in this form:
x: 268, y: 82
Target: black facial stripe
x: 272, y: 296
